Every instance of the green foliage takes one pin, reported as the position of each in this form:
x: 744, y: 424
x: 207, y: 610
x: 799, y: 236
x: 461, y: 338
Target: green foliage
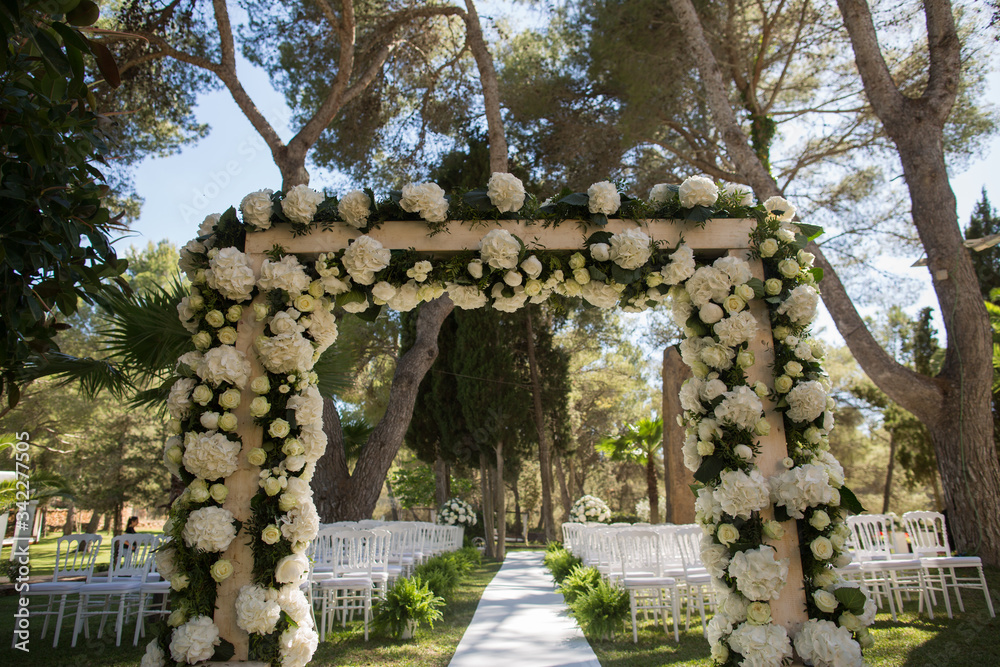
x: 553, y: 546
x: 578, y: 582
x: 409, y: 599
x: 636, y: 442
x: 602, y: 610
x: 441, y: 575
x: 414, y: 487
x: 55, y: 248
x: 560, y: 563
x: 472, y: 556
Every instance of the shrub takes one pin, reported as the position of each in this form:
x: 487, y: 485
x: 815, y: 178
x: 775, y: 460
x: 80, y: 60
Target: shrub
x: 560, y: 563
x: 579, y: 581
x: 602, y: 610
x: 408, y: 600
x: 441, y: 574
x: 553, y: 546
x: 470, y: 555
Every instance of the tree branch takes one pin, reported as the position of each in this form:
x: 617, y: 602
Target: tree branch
x: 225, y: 35
x: 491, y: 91
x: 884, y: 96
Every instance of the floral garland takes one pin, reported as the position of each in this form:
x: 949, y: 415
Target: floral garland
x: 456, y: 512
x: 589, y: 509
x: 724, y: 416
x: 294, y: 298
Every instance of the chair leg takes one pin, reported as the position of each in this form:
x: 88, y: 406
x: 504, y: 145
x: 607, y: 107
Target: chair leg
x: 986, y: 591
x: 79, y: 618
x: 59, y: 618
x: 958, y: 590
x: 635, y: 628
x: 48, y: 612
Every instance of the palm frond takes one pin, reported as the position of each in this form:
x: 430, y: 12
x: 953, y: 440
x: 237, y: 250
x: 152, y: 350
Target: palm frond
x: 335, y: 369
x: 154, y: 397
x: 93, y: 375
x: 144, y: 333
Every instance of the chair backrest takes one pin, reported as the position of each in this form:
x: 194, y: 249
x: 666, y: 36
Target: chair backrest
x: 871, y: 534
x: 639, y: 551
x: 76, y: 555
x: 928, y: 533
x: 380, y: 549
x: 687, y: 540
x: 352, y: 552
x: 130, y: 555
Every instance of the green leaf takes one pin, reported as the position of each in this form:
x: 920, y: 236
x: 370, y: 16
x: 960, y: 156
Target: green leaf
x: 623, y: 276
x: 697, y: 325
x: 224, y: 652
x: 596, y: 273
x: 758, y: 287
x: 575, y: 199
x: 599, y: 237
x: 479, y: 200
x: 852, y: 598
x: 781, y: 513
x: 810, y: 231
x: 849, y: 501
x: 598, y: 219
x: 817, y: 273
x: 695, y: 488
x: 709, y: 469
x: 371, y: 314
x: 699, y: 214
x: 106, y: 63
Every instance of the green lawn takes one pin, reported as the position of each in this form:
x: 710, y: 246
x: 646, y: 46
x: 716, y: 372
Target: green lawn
x: 42, y: 556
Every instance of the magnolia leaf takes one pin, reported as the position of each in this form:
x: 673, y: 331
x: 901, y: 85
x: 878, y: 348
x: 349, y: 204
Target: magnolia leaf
x: 596, y: 273
x: 599, y: 219
x: 623, y: 276
x: 699, y: 214
x: 852, y: 598
x: 709, y: 469
x: 479, y: 200
x: 697, y: 325
x: 810, y: 231
x: 371, y: 314
x: 817, y: 273
x: 575, y: 199
x: 849, y: 501
x: 599, y: 237
x: 781, y: 513
x: 758, y: 287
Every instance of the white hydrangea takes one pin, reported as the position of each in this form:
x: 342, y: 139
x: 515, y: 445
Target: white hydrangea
x: 466, y: 297
x: 229, y: 273
x: 761, y: 645
x: 824, y: 644
x: 300, y: 203
x: 806, y: 401
x: 293, y: 602
x: 714, y: 557
x: 736, y: 329
x: 801, y: 304
x: 296, y: 646
x: 287, y: 353
x: 322, y: 329
x: 364, y: 258
x: 740, y: 494
x: 740, y: 407
x: 154, y: 655
x: 660, y: 194
x: 179, y: 401
x: 186, y: 314
x: 224, y: 364
x: 500, y: 249
x: 690, y: 396
x: 211, y: 455
x: 707, y: 284
x: 308, y: 406
x: 706, y: 507
x: 743, y: 193
x: 601, y: 294
x: 257, y: 609
x: 256, y: 208
x: 833, y: 467
x: 630, y: 249
x: 194, y: 641
x: 758, y: 573
x: 692, y: 459
x: 286, y: 274
x: 406, y: 298
x: 506, y: 192
x: 209, y: 529
x: 681, y: 266
x: 737, y: 270
x: 427, y: 199
x: 603, y: 198
x: 801, y: 487
x: 698, y: 191
x: 508, y: 304
x: 355, y: 208
x: 301, y: 523
x: 165, y: 564
x: 313, y: 439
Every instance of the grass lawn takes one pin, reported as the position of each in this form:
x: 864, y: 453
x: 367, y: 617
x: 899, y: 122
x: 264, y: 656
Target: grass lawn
x: 971, y: 638
x: 343, y: 647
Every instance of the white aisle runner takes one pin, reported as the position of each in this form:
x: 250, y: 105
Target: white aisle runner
x: 521, y: 621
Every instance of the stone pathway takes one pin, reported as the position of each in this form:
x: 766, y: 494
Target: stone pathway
x: 521, y: 621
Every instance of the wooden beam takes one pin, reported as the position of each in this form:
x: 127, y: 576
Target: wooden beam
x: 460, y: 235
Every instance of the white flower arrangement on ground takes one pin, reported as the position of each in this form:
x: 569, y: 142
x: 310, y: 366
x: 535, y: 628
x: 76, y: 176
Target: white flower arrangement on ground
x: 589, y: 509
x: 456, y: 512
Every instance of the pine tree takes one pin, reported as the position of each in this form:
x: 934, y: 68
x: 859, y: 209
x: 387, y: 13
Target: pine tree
x: 984, y: 221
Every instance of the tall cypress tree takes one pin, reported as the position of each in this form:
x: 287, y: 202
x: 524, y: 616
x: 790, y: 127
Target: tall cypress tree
x: 984, y: 222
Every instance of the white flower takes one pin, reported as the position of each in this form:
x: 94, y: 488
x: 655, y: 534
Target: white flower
x: 301, y: 523
x: 698, y: 191
x: 209, y: 529
x: 736, y: 269
x: 789, y: 268
x: 706, y: 506
x: 508, y: 304
x: 286, y: 274
x: 736, y: 329
x: 690, y: 396
x: 743, y: 193
x: 323, y: 329
x: 603, y: 198
x: 740, y: 407
x: 707, y: 284
x: 308, y: 406
x: 287, y: 353
x: 154, y: 656
x: 759, y: 575
x: 600, y: 294
x: 506, y: 192
x: 823, y: 644
x: 179, y: 400
x: 761, y: 645
x: 211, y: 455
x: 406, y: 298
x: 772, y: 204
x: 714, y: 557
x: 293, y: 602
x: 427, y: 199
x: 194, y: 641
x: 296, y: 646
x: 500, y: 249
x: 833, y: 468
x: 630, y: 249
x: 801, y: 304
x: 165, y: 565
x: 300, y: 203
x: 532, y: 267
x: 256, y: 208
x: 257, y: 609
x: 801, y: 487
x: 229, y: 273
x: 355, y: 208
x: 466, y: 297
x: 224, y: 364
x: 660, y: 194
x: 806, y: 401
x: 740, y: 494
x: 364, y: 258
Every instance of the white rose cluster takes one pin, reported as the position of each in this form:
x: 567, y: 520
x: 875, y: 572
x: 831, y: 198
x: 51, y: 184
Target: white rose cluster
x: 427, y: 199
x: 589, y: 509
x: 456, y: 512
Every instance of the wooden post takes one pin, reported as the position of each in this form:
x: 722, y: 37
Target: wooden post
x: 790, y: 609
x: 677, y: 478
x: 242, y: 485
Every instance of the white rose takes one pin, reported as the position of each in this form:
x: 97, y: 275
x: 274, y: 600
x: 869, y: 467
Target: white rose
x: 600, y: 252
x: 774, y: 204
x: 768, y: 247
x: 355, y: 208
x: 506, y: 192
x: 789, y: 268
x: 291, y: 569
x: 698, y: 191
x: 603, y: 198
x: 256, y: 208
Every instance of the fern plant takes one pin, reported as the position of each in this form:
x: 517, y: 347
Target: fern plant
x: 579, y: 581
x: 560, y: 562
x: 406, y: 605
x: 441, y: 574
x: 602, y: 610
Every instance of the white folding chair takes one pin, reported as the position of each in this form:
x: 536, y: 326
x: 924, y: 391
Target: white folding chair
x: 695, y: 583
x: 350, y: 588
x: 75, y: 558
x: 879, y: 570
x: 929, y: 541
x: 643, y: 578
x: 152, y: 587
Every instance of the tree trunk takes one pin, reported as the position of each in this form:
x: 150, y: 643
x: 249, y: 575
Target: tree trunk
x: 676, y: 478
x: 500, y: 505
x: 887, y: 493
x: 95, y: 520
x: 654, y: 493
x: 485, y: 479
x: 344, y: 496
x: 107, y: 522
x: 491, y: 91
x: 544, y: 459
x: 69, y: 526
x: 567, y: 503
x: 518, y: 527
x: 440, y: 481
